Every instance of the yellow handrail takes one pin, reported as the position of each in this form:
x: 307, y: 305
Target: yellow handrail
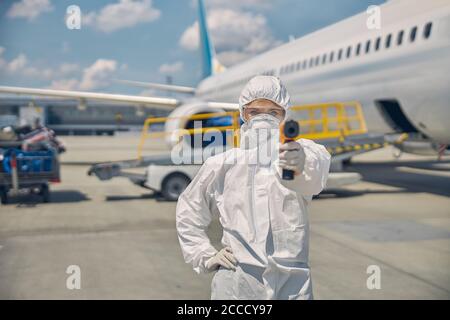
x: 345, y: 124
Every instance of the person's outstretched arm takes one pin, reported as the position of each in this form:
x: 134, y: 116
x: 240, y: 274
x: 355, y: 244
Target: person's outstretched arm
x: 193, y: 216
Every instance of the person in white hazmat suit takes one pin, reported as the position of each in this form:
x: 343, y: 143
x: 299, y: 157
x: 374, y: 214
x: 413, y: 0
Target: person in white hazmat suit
x: 264, y: 218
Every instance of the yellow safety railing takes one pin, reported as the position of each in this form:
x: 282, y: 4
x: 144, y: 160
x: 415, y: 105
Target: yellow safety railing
x: 333, y: 120
x: 330, y: 120
x: 161, y: 134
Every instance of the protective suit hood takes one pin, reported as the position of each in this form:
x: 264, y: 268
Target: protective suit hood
x: 265, y: 87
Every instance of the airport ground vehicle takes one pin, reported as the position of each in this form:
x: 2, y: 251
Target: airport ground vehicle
x: 27, y: 170
x: 340, y: 127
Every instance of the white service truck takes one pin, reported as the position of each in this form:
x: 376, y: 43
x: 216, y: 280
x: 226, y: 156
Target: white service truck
x: 170, y: 180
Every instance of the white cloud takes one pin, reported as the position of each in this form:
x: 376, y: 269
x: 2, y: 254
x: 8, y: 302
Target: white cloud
x: 17, y: 63
x: 228, y: 58
x: 259, y: 4
x: 124, y: 14
x: 64, y: 84
x: 235, y: 4
x: 68, y: 68
x: 66, y: 76
x: 29, y: 9
x: 149, y: 93
x: 98, y: 75
x: 167, y: 68
x: 236, y: 35
x: 62, y: 70
x: 20, y: 66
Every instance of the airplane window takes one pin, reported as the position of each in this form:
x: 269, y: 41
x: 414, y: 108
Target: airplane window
x: 299, y: 65
x: 377, y: 44
x: 400, y: 38
x: 412, y: 35
x: 358, y: 49
x: 340, y: 54
x: 324, y: 58
x: 317, y: 60
x: 304, y: 64
x: 331, y: 56
x: 311, y: 62
x: 388, y: 41
x: 427, y: 30
x: 367, y: 46
x: 349, y: 51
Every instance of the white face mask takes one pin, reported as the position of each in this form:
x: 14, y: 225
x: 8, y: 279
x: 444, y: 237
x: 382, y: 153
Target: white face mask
x: 263, y: 132
x: 264, y: 121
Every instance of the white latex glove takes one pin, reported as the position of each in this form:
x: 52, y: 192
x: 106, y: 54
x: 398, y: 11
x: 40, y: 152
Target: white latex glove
x: 292, y: 157
x: 222, y: 258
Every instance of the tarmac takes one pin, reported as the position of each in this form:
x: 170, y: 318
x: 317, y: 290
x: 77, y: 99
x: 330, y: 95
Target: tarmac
x: 122, y: 237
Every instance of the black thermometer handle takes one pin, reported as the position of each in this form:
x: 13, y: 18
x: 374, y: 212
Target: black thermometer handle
x: 291, y: 130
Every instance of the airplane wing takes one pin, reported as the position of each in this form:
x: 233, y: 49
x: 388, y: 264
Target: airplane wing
x: 160, y: 86
x: 170, y: 103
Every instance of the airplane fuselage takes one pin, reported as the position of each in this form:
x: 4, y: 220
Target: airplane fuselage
x: 399, y: 73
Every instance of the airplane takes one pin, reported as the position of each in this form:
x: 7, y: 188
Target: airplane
x: 398, y: 73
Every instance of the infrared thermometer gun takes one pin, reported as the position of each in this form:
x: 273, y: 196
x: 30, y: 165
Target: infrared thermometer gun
x: 289, y: 131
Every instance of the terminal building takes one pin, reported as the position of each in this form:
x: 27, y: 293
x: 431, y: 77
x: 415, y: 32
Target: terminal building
x: 68, y: 117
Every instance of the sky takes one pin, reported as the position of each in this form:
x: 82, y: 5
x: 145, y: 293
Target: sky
x: 146, y: 40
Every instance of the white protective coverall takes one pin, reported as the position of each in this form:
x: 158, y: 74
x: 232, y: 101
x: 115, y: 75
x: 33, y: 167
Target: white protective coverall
x: 264, y: 220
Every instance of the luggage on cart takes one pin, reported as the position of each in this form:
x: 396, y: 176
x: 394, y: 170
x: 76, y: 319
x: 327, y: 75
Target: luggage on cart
x: 32, y: 170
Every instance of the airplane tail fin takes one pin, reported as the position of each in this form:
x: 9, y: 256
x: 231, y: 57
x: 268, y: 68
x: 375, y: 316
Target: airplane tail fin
x: 210, y: 63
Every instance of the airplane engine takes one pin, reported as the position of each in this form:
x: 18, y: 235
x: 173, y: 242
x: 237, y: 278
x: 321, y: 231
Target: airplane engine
x: 179, y: 120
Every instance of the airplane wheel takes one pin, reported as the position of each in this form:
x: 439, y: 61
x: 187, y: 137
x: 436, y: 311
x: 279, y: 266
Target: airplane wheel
x: 4, y: 195
x: 45, y: 193
x: 173, y: 185
x: 347, y: 162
